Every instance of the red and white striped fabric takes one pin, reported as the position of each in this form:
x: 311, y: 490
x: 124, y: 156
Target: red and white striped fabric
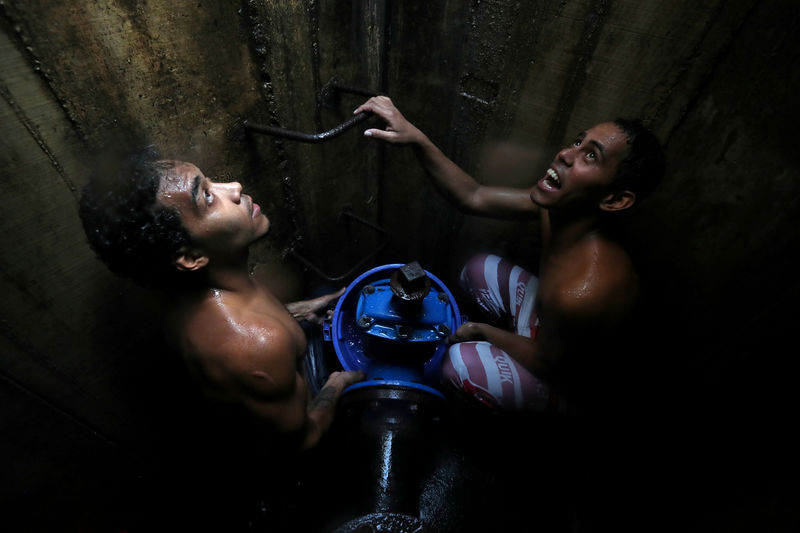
x: 481, y: 370
x: 492, y: 377
x: 504, y: 290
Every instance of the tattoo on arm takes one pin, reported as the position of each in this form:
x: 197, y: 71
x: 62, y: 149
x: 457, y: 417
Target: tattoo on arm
x: 326, y: 399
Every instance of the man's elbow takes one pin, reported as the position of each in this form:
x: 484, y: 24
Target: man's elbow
x: 300, y: 428
x: 472, y: 203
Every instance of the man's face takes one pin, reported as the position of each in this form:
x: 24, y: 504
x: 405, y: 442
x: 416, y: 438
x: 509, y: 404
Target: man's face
x: 580, y: 174
x: 218, y: 217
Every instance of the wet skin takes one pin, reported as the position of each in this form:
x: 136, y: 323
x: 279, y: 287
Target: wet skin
x: 584, y: 170
x: 241, y: 343
x: 587, y: 283
x: 217, y: 215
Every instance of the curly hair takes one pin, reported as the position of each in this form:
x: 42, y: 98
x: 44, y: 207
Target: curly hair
x: 643, y: 168
x: 127, y: 228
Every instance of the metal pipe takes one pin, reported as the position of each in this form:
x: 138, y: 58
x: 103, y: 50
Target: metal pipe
x: 328, y: 94
x: 306, y: 137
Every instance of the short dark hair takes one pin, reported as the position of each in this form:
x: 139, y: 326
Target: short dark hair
x: 134, y: 235
x: 643, y: 168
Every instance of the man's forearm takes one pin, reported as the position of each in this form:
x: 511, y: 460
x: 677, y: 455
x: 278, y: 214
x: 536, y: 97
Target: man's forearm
x: 321, y: 412
x: 322, y: 408
x: 299, y: 310
x: 313, y: 310
x: 466, y: 193
x: 455, y: 184
x: 325, y: 401
x: 524, y: 350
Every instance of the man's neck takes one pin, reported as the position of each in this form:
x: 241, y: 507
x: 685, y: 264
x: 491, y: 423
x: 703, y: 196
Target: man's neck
x: 566, y: 231
x: 229, y: 274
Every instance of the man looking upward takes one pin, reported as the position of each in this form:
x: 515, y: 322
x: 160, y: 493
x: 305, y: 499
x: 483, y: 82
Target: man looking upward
x: 165, y: 224
x: 554, y: 328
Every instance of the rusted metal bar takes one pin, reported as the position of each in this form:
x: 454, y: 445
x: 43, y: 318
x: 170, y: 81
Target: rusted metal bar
x: 329, y: 97
x: 306, y: 137
x: 358, y: 265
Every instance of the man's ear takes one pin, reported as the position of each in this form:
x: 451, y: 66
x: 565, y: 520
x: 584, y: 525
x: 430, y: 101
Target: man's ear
x: 617, y: 201
x: 189, y: 259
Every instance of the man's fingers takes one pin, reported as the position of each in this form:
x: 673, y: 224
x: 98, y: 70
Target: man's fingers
x: 380, y: 134
x: 374, y: 105
x: 368, y: 107
x: 356, y: 375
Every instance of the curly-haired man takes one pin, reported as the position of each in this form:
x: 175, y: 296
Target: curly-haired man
x: 164, y: 224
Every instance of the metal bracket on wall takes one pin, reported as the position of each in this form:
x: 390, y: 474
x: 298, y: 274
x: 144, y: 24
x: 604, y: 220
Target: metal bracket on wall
x: 357, y: 266
x: 329, y: 98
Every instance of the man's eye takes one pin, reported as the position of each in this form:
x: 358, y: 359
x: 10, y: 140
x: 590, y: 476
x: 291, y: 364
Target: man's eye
x: 209, y: 196
x: 577, y: 142
x: 591, y: 155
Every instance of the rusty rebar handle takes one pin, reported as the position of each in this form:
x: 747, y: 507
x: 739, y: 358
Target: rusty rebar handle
x: 306, y: 137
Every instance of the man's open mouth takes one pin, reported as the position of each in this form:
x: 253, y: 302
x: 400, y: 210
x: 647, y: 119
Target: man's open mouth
x: 551, y: 181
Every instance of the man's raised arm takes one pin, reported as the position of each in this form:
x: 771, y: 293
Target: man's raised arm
x: 457, y: 186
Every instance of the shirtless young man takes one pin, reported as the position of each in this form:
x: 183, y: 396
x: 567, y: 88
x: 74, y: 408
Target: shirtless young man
x: 165, y: 224
x: 587, y: 284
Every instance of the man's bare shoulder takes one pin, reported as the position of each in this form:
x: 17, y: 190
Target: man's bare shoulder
x: 599, y: 284
x: 236, y: 349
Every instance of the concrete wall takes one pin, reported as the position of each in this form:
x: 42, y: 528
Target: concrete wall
x: 89, y: 396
